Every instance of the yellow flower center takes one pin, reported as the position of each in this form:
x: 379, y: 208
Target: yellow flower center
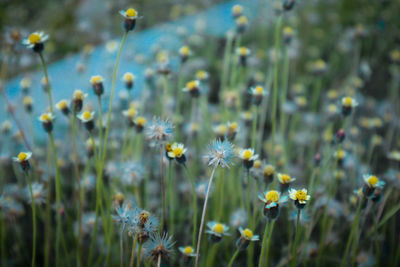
x: 259, y: 90
x: 341, y: 154
x: 288, y: 31
x: 188, y: 250
x: 242, y: 20
x: 221, y: 129
x: 62, y: 104
x: 86, y: 115
x: 320, y: 64
x: 128, y: 77
x: 237, y: 9
x: 243, y: 51
x: 268, y: 170
x: 257, y: 164
x: 34, y: 38
x: 348, y: 101
x: 131, y: 112
x: 178, y: 152
x: 301, y: 195
x: 233, y: 126
x: 272, y: 196
x: 247, y: 154
x: 168, y: 147
x: 141, y: 121
x: 78, y: 94
x: 96, y: 79
x: 22, y: 156
x: 130, y: 12
x: 185, y: 50
x: 248, y: 233
x: 285, y: 178
x: 27, y: 100
x: 45, y: 117
x: 373, y: 180
x: 201, y: 74
x: 218, y: 228
x: 396, y: 55
x: 191, y: 85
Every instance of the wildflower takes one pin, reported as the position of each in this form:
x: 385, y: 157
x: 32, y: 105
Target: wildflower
x: 63, y: 106
x: 319, y: 67
x: 38, y: 193
x: 28, y: 104
x: 130, y: 115
x: 187, y: 251
x: 395, y: 56
x: 340, y: 154
x: 129, y: 80
x: 178, y: 152
x: 23, y: 160
x: 246, y: 235
x: 300, y: 197
x: 77, y: 100
x: 217, y: 231
x: 130, y: 16
x: 268, y: 173
x: 6, y: 127
x: 220, y: 131
x: 247, y: 116
x: 89, y: 145
x: 258, y: 92
x: 241, y: 24
x: 371, y: 183
x: 35, y: 41
x: 160, y: 247
x: 243, y: 53
x: 237, y: 11
x: 287, y: 34
x: 233, y: 128
x: 47, y: 121
x: 159, y: 130
x: 348, y: 104
x: 184, y: 52
x: 164, y: 67
x: 285, y: 180
x: 97, y: 84
x: 25, y: 84
x: 87, y: 118
x: 202, y: 75
x: 248, y: 156
x: 272, y: 199
x: 193, y: 88
x: 140, y: 123
x: 220, y: 153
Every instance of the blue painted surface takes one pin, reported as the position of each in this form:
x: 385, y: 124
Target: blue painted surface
x: 64, y: 78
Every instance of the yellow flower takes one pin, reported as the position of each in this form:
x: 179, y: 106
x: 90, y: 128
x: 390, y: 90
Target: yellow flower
x: 285, y: 178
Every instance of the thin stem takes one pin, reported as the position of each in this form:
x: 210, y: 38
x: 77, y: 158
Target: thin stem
x: 296, y: 238
x: 264, y: 243
x: 194, y: 200
x: 233, y: 257
x: 203, y: 215
x: 159, y: 260
x: 28, y: 177
x: 253, y: 134
x: 121, y: 247
x: 139, y: 254
x: 271, y: 228
x: 133, y: 250
x: 46, y: 76
x: 162, y: 189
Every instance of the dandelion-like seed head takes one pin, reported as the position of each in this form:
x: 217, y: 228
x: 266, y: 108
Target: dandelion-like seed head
x: 220, y: 153
x: 159, y: 245
x: 159, y: 130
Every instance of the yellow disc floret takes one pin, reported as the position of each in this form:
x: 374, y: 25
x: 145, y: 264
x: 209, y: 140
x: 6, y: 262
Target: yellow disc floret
x: 96, y: 79
x: 301, y: 195
x: 177, y: 152
x: 272, y: 196
x: 34, y: 38
x: 86, y: 115
x: 45, y: 117
x: 22, y: 156
x: 188, y: 250
x: 191, y: 85
x: 248, y: 233
x: 184, y: 50
x: 347, y: 101
x: 131, y: 13
x: 373, y: 180
x: 247, y: 154
x: 218, y: 228
x: 285, y: 178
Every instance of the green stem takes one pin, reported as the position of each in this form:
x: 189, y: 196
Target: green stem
x: 28, y: 177
x: 254, y: 130
x: 271, y: 228
x: 233, y: 257
x: 294, y: 253
x: 139, y: 254
x: 133, y: 250
x: 194, y: 200
x: 48, y: 90
x: 264, y: 243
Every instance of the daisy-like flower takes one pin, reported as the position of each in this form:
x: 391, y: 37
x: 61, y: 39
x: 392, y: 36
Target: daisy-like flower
x: 220, y: 153
x: 193, y: 87
x: 35, y: 41
x: 177, y: 152
x: 202, y: 75
x: 348, y: 104
x: 258, y: 92
x: 159, y: 130
x: 97, y: 84
x: 23, y: 160
x: 130, y: 15
x: 319, y: 67
x: 268, y: 173
x: 130, y: 115
x: 284, y: 181
x: 129, y: 80
x: 164, y: 67
x: 47, y: 121
x: 271, y: 200
x: 237, y: 11
x: 241, y: 24
x: 63, y: 106
x: 248, y: 156
x: 187, y: 251
x: 159, y: 247
x: 246, y: 236
x: 233, y: 128
x: 217, y: 230
x: 28, y: 104
x: 89, y: 145
x: 77, y: 100
x: 87, y: 118
x: 340, y: 155
x: 371, y: 183
x: 220, y: 131
x: 243, y: 53
x: 300, y: 197
x: 25, y: 84
x: 140, y: 123
x: 184, y: 52
x: 287, y: 34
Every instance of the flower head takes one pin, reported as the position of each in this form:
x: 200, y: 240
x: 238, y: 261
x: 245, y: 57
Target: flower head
x: 300, y: 197
x: 217, y: 230
x: 130, y: 16
x: 193, y: 88
x: 188, y: 251
x: 285, y: 178
x: 36, y: 41
x: 22, y: 158
x: 220, y: 153
x: 177, y: 150
x: 159, y: 130
x: 159, y: 245
x: 248, y: 234
x: 86, y: 116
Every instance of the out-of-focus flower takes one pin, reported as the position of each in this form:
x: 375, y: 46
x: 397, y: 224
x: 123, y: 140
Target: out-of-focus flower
x: 36, y: 41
